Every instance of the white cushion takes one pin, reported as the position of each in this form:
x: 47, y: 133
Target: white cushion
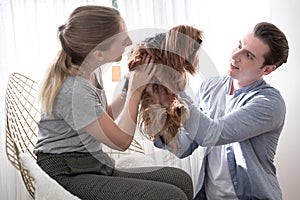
x: 134, y: 160
x: 46, y: 188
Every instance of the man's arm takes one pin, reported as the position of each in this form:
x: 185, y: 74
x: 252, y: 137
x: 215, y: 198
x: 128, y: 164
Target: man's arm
x: 186, y: 147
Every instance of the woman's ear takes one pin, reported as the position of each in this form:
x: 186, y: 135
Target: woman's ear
x: 268, y: 69
x: 98, y: 55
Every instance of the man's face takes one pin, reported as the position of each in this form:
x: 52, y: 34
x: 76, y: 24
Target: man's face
x: 246, y: 63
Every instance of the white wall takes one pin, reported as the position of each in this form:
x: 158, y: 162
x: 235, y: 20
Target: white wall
x: 286, y: 15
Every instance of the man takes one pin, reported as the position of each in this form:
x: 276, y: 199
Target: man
x: 239, y: 118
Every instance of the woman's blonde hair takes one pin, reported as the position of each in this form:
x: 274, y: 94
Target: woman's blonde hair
x: 87, y: 27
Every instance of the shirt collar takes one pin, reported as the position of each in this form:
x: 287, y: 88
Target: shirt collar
x: 247, y: 88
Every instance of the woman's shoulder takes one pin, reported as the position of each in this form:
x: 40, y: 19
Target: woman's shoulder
x: 74, y: 82
x: 71, y: 84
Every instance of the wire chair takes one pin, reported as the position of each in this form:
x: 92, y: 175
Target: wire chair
x: 21, y: 117
x: 135, y: 146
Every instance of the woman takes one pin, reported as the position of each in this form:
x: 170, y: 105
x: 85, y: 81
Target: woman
x: 76, y: 120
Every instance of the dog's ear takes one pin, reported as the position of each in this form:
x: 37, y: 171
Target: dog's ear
x: 98, y: 55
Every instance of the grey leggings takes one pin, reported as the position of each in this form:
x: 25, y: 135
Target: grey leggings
x: 86, y: 177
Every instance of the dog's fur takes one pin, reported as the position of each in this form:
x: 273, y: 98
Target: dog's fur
x: 162, y: 112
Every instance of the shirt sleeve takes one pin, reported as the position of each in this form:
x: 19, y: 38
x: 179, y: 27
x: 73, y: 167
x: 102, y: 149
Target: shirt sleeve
x: 187, y: 145
x: 85, y: 105
x: 261, y: 113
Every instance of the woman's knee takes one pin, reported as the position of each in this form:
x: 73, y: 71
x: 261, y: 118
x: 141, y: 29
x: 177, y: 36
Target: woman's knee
x: 179, y: 178
x: 159, y: 190
x: 178, y: 175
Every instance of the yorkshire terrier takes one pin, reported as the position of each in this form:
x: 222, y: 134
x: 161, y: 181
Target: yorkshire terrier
x: 161, y: 110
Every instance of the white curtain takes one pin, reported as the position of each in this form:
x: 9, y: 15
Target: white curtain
x: 28, y: 44
x: 223, y: 22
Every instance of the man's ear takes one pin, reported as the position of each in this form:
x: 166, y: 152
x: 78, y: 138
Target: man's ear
x: 98, y: 55
x: 268, y: 69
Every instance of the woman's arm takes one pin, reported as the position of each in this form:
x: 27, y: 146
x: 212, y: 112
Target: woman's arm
x: 115, y: 108
x: 118, y: 135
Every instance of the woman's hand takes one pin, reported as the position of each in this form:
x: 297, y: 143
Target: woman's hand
x: 141, y: 75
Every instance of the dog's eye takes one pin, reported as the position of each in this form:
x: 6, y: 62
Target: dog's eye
x: 196, y: 45
x: 155, y: 87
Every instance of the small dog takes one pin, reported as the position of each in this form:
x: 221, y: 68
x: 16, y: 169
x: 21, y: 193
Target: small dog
x: 162, y: 111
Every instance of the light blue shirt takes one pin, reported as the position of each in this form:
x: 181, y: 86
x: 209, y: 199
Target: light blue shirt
x: 252, y: 125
